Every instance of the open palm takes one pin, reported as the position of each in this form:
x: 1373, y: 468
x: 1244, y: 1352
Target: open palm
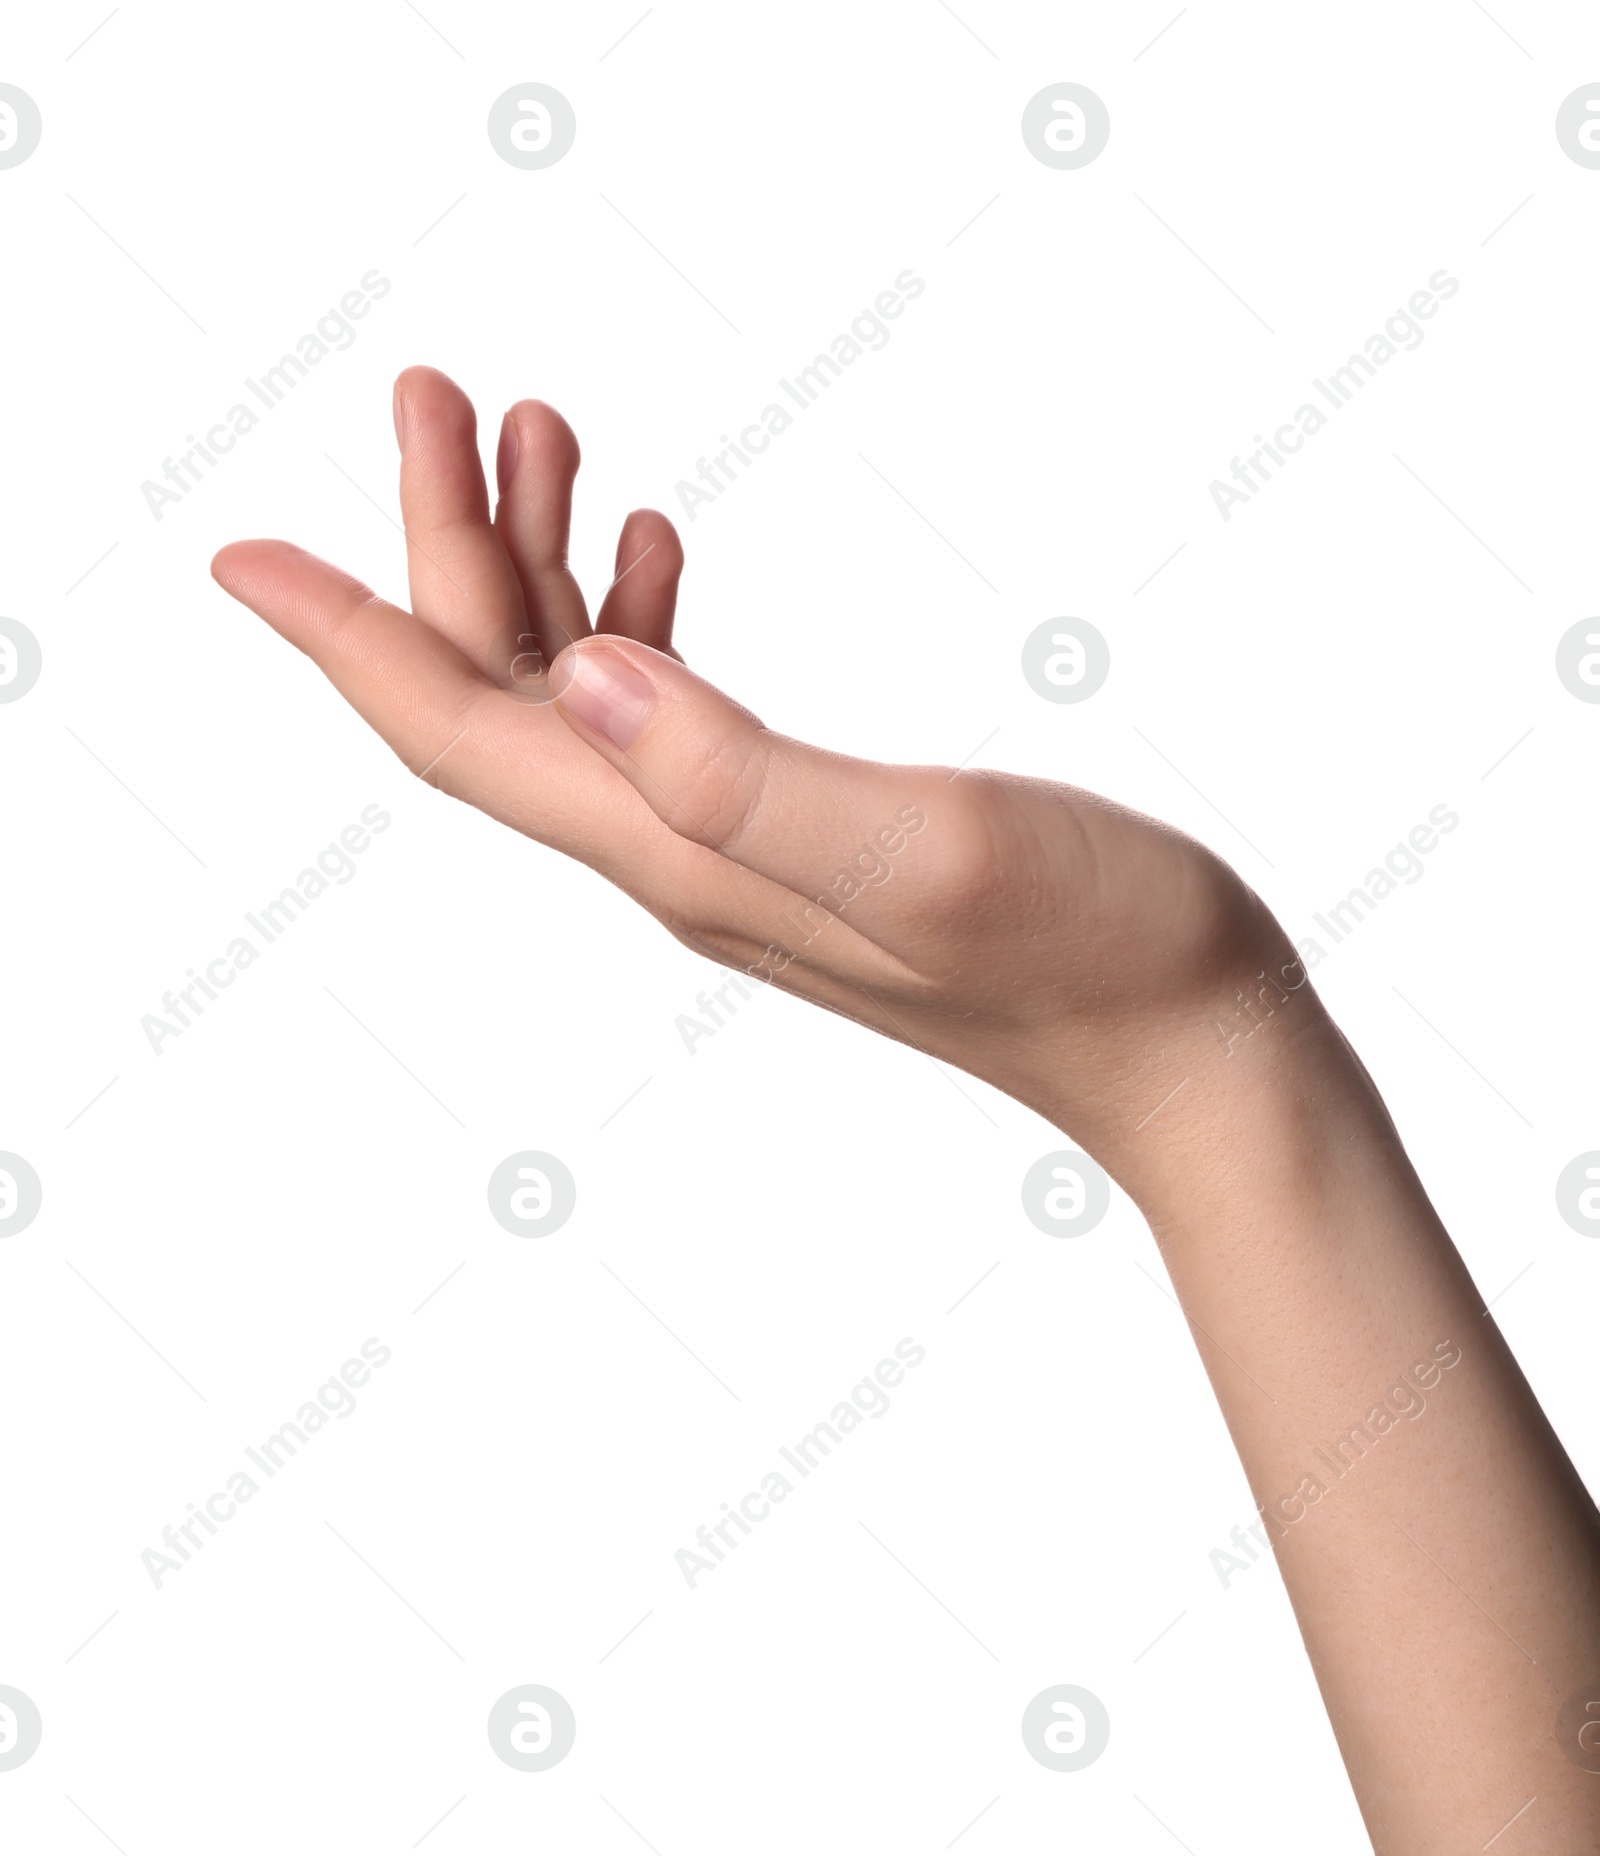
x: 1074, y: 953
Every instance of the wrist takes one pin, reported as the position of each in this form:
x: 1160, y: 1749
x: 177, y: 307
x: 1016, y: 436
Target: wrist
x: 1257, y: 1107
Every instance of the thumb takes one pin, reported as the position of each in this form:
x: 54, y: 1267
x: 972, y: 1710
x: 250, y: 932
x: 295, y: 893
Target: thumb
x: 824, y: 825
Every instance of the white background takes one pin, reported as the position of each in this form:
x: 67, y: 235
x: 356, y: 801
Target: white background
x: 792, y: 1199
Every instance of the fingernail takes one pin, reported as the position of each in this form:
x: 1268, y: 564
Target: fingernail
x: 399, y: 418
x: 505, y: 461
x: 596, y: 686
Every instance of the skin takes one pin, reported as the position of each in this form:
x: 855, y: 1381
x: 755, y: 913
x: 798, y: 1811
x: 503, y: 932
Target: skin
x: 1118, y: 978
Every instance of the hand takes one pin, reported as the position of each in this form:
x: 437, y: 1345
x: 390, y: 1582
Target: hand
x: 1092, y: 963
x: 1075, y: 954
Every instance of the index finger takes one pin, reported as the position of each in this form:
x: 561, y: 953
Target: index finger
x: 400, y: 675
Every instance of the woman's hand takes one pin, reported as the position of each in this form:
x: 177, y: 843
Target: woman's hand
x: 1107, y: 971
x: 1079, y: 956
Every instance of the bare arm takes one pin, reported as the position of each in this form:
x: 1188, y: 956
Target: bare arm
x: 1441, y: 1553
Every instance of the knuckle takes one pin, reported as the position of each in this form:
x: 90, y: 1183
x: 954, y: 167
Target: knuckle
x: 725, y: 792
x: 970, y: 860
x: 442, y: 763
x: 344, y: 612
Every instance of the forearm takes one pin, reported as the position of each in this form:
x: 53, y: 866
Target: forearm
x: 1442, y: 1557
x: 1063, y: 948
